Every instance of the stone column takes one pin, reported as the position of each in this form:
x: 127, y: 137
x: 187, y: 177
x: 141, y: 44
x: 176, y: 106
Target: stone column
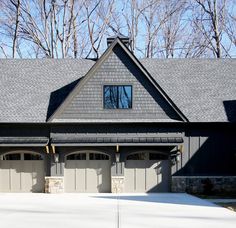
x: 54, y: 184
x: 117, y: 184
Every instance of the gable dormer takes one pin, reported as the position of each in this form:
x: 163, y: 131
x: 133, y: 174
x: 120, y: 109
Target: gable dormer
x: 117, y: 89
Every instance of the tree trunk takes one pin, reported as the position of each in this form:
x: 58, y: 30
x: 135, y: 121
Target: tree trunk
x: 216, y: 31
x: 14, y: 45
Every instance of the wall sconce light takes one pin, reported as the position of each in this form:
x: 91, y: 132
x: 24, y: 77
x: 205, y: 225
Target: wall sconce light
x: 117, y: 154
x: 175, y: 157
x: 56, y: 158
x: 117, y: 157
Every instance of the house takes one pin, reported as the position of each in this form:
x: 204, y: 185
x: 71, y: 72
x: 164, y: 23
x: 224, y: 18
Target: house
x: 117, y: 124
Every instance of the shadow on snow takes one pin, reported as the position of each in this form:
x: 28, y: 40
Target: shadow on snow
x: 163, y: 198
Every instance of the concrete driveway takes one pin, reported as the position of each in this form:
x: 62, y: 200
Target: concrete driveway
x: 110, y: 210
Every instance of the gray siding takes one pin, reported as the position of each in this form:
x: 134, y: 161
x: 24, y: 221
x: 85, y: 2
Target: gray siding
x: 24, y: 130
x: 207, y: 152
x: 209, y: 149
x: 118, y: 68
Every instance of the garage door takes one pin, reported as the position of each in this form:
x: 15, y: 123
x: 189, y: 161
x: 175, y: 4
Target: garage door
x: 87, y: 172
x: 21, y: 172
x: 147, y: 172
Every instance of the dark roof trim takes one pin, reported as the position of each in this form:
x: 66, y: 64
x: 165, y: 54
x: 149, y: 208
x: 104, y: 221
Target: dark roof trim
x: 98, y: 63
x: 65, y: 141
x: 112, y: 144
x: 23, y: 141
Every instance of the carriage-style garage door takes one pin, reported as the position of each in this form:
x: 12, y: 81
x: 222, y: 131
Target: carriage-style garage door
x: 21, y: 172
x: 147, y: 172
x: 87, y: 172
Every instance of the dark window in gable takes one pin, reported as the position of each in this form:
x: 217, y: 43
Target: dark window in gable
x: 117, y: 96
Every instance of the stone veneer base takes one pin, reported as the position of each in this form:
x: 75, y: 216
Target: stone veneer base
x: 204, y: 184
x: 117, y: 184
x: 54, y: 184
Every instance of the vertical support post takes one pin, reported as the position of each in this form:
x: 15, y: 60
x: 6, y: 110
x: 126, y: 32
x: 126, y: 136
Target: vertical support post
x: 117, y: 174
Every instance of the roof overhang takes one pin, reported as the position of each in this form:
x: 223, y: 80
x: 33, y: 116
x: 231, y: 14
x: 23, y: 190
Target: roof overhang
x: 113, y: 141
x: 23, y: 141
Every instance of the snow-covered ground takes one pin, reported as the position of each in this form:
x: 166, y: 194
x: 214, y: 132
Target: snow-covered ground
x: 111, y: 210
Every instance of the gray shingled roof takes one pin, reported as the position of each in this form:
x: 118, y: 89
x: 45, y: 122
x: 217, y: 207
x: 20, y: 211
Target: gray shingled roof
x: 203, y: 89
x: 26, y: 86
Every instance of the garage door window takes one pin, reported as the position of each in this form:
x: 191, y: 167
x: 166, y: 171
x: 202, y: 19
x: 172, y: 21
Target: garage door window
x: 155, y: 156
x: 95, y: 156
x: 137, y: 156
x: 32, y: 157
x: 12, y: 157
x: 79, y: 156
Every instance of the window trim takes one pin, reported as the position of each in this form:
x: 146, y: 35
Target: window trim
x: 117, y: 85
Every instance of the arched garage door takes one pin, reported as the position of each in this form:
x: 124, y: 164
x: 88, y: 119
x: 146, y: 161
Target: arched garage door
x: 147, y: 172
x: 21, y: 172
x: 87, y: 172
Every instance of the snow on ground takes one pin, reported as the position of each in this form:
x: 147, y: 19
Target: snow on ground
x: 110, y: 210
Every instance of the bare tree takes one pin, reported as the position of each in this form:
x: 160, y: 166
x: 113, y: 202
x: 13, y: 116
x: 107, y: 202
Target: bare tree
x: 169, y: 34
x: 9, y: 22
x: 231, y: 26
x: 16, y: 4
x: 52, y: 34
x: 210, y: 23
x: 72, y: 29
x: 131, y: 12
x: 98, y: 17
x: 78, y: 29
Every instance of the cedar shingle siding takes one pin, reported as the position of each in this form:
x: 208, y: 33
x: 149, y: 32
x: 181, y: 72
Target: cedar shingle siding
x: 118, y: 69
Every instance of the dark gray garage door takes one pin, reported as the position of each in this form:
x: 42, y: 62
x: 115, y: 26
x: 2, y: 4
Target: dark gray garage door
x: 147, y: 172
x: 87, y: 172
x: 21, y: 172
